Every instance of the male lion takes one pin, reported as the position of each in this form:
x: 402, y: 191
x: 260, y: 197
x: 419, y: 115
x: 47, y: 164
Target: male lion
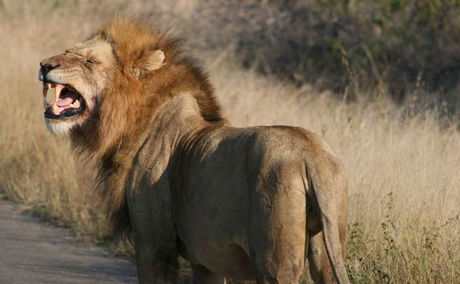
x: 243, y: 203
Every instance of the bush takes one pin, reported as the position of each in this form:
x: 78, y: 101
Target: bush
x: 399, y: 46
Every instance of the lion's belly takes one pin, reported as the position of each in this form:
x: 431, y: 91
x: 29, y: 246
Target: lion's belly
x: 224, y: 258
x: 213, y: 233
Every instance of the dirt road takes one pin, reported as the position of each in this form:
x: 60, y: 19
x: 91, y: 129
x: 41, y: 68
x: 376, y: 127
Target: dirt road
x: 35, y: 252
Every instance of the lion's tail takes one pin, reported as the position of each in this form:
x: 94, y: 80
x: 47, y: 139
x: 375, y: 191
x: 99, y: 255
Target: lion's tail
x: 328, y: 182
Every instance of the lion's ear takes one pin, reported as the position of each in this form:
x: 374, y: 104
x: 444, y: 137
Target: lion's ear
x: 153, y: 62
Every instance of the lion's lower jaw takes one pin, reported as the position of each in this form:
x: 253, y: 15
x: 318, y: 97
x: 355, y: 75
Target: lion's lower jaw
x: 60, y: 127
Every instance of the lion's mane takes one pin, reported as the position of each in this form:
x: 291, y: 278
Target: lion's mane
x: 113, y: 135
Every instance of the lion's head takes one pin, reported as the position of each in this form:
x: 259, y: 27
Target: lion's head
x: 75, y: 82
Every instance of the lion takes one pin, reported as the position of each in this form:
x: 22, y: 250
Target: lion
x: 241, y: 203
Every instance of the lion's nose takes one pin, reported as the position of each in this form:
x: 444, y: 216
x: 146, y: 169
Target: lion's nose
x: 45, y: 67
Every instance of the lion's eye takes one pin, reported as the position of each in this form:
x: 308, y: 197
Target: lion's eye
x: 90, y: 60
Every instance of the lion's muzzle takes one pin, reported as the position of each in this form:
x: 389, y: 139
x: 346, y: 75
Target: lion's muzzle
x: 61, y: 100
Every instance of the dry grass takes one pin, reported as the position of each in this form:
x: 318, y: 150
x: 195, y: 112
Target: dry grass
x: 404, y: 199
x: 405, y: 186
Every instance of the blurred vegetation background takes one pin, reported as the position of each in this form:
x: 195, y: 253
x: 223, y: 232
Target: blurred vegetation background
x: 395, y: 46
x: 406, y: 49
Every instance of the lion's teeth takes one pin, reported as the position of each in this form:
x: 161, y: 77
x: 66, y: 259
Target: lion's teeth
x: 75, y: 104
x: 58, y: 91
x: 55, y: 107
x: 48, y: 94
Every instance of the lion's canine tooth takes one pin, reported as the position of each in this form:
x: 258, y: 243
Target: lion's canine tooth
x: 58, y: 91
x: 47, y: 88
x: 55, y: 107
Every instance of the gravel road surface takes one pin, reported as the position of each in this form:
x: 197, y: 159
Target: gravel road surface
x: 32, y: 251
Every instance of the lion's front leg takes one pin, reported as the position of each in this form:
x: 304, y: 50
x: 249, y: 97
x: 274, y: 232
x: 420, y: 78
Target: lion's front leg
x: 154, y: 235
x: 156, y: 265
x: 201, y: 275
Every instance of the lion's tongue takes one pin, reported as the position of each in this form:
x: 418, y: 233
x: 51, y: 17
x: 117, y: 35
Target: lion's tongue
x: 64, y: 102
x: 60, y: 103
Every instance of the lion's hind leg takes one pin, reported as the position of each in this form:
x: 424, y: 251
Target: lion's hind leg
x: 279, y: 262
x: 279, y: 255
x: 318, y: 261
x: 320, y: 266
x: 278, y: 227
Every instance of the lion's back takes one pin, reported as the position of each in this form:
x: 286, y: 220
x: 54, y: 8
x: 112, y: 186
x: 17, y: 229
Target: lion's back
x: 281, y: 141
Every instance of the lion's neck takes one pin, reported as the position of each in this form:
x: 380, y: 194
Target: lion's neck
x: 176, y: 124
x: 179, y: 120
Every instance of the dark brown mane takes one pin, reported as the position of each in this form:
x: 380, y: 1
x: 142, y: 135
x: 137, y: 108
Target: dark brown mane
x: 126, y: 105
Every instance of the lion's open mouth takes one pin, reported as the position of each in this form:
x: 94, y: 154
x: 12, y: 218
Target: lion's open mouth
x: 65, y: 103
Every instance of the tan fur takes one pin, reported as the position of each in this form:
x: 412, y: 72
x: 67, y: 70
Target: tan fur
x: 238, y: 202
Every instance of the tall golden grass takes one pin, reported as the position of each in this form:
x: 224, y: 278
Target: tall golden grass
x: 404, y: 176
